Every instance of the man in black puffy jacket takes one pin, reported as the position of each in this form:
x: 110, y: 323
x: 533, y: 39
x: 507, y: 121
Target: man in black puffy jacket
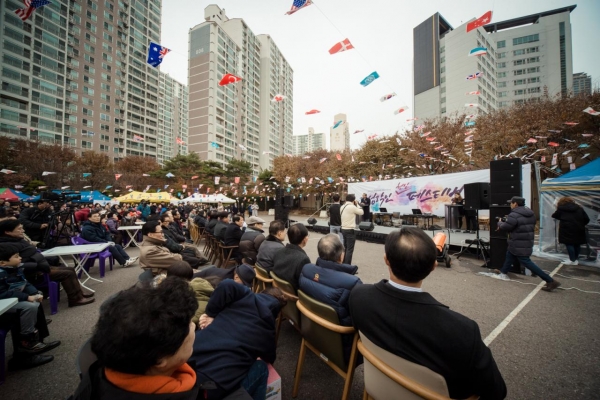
x: 520, y: 225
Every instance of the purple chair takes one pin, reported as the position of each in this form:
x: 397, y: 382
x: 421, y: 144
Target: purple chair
x: 53, y: 292
x: 77, y: 240
x: 3, y: 333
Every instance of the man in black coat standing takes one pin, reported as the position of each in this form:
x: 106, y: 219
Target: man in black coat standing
x: 365, y: 203
x: 571, y: 231
x: 520, y: 225
x: 399, y: 317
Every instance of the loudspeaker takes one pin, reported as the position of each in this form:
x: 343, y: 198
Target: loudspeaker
x: 281, y: 213
x: 279, y: 193
x: 498, y: 247
x: 505, y: 180
x: 511, y: 164
x: 505, y: 176
x: 288, y: 201
x: 477, y: 196
x: 497, y: 212
x: 366, y: 226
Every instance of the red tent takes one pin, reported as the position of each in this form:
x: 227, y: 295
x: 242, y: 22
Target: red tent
x: 8, y: 195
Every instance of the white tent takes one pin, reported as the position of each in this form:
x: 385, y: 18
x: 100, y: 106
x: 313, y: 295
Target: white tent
x: 207, y: 198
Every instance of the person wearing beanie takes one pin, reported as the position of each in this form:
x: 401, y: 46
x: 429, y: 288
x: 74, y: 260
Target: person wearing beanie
x: 520, y: 226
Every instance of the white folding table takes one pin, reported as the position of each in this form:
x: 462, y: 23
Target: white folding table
x: 132, y: 231
x: 5, y: 304
x: 84, y: 251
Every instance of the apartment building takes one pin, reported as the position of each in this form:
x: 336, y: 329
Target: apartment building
x: 237, y: 120
x: 75, y: 73
x: 172, y: 118
x: 339, y: 133
x: 308, y: 142
x: 526, y: 58
x: 582, y: 83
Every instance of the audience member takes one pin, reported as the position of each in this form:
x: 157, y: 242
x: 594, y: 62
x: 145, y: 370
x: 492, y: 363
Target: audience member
x: 230, y: 360
x: 399, y: 317
x: 35, y: 220
x: 112, y: 222
x: 232, y: 236
x: 242, y: 274
x: 288, y: 261
x: 143, y: 339
x: 252, y: 239
x: 349, y: 211
x: 203, y: 288
x: 221, y: 226
x: 213, y: 219
x: 11, y: 231
x: 271, y: 245
x: 93, y: 231
x: 31, y: 327
x: 65, y: 231
x: 154, y: 255
x: 200, y: 219
x: 191, y: 254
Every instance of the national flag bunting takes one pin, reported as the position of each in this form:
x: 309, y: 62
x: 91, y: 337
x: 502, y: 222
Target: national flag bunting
x: 369, y: 79
x: 312, y: 112
x: 156, y: 53
x: 137, y: 138
x: 297, y: 5
x: 474, y: 76
x: 229, y: 78
x: 179, y: 140
x: 30, y: 7
x: 481, y: 21
x: 341, y: 46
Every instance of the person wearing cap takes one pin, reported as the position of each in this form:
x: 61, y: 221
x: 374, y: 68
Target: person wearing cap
x: 252, y: 239
x: 520, y: 226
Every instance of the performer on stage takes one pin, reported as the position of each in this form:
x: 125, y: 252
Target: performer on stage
x: 365, y: 203
x: 458, y: 200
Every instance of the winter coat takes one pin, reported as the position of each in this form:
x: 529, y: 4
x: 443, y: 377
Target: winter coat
x: 95, y: 233
x: 573, y: 220
x: 210, y: 226
x: 113, y: 226
x: 13, y: 283
x: 232, y: 235
x: 243, y: 329
x: 266, y: 253
x: 145, y: 210
x: 200, y: 221
x: 330, y: 283
x: 32, y: 219
x: 219, y: 230
x: 33, y: 261
x: 203, y: 290
x: 250, y: 242
x: 289, y: 262
x: 178, y: 237
x: 520, y: 225
x: 155, y: 256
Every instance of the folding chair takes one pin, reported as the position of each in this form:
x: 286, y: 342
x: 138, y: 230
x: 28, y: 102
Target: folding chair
x: 262, y: 280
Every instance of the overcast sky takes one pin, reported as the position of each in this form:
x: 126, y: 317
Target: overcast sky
x: 380, y: 30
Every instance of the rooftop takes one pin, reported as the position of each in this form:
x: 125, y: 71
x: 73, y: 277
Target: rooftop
x: 529, y: 19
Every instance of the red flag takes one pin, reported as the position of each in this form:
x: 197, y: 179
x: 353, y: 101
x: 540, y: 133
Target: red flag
x: 229, y: 78
x: 341, y: 46
x: 338, y: 156
x: 481, y: 21
x: 195, y: 177
x: 179, y: 140
x: 236, y: 179
x: 312, y: 112
x: 553, y: 144
x: 117, y: 176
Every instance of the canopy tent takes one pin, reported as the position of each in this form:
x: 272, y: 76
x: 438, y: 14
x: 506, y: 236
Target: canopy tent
x: 94, y: 197
x: 583, y: 186
x: 136, y: 197
x: 206, y: 198
x: 7, y: 194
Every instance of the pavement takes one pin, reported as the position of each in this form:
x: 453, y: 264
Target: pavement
x: 548, y: 350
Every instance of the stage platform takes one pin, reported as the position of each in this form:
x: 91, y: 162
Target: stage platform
x: 379, y: 233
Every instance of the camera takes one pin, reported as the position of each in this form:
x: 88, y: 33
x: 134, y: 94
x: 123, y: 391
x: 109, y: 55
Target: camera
x: 63, y: 197
x: 503, y: 219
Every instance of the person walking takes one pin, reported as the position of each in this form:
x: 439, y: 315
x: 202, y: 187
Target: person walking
x: 520, y: 225
x: 571, y: 230
x: 348, y: 213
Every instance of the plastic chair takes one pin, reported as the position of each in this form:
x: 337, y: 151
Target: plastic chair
x: 102, y: 256
x: 53, y: 292
x: 322, y: 334
x: 390, y: 376
x: 3, y: 333
x: 85, y: 358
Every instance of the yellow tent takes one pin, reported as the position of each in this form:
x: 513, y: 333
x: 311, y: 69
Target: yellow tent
x: 136, y: 197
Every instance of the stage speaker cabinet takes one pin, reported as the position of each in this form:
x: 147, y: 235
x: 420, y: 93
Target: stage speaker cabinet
x: 497, y: 212
x: 288, y: 201
x: 505, y: 180
x: 498, y: 247
x: 281, y: 213
x: 366, y: 226
x: 477, y: 196
x: 279, y: 193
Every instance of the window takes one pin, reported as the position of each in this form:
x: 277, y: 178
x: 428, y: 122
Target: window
x: 106, y: 77
x: 501, y: 55
x: 90, y: 38
x: 519, y: 52
x: 502, y: 94
x: 532, y: 70
x: 107, y: 37
x: 502, y: 103
x: 89, y: 58
x: 501, y: 75
x: 533, y: 49
x: 106, y: 57
x: 108, y: 5
x: 519, y: 82
x: 526, y: 39
x: 85, y: 144
x: 442, y: 70
x: 105, y: 97
x: 87, y: 111
x: 105, y: 127
x: 107, y: 47
x: 502, y: 84
x: 443, y: 59
x: 519, y: 92
x: 108, y: 16
x: 90, y: 27
x: 92, y: 16
x: 105, y: 87
x: 104, y: 117
x: 105, y: 107
x: 519, y: 62
x: 534, y: 90
x: 518, y: 71
x: 92, y: 4
x: 501, y: 65
x: 533, y: 60
x: 533, y: 80
x: 88, y: 123
x: 88, y: 90
x: 104, y: 147
x: 108, y: 27
x: 89, y: 69
x: 87, y: 79
x: 501, y: 44
x: 89, y: 48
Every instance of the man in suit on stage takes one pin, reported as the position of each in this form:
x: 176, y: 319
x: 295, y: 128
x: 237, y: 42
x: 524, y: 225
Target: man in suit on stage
x: 399, y: 317
x: 365, y: 203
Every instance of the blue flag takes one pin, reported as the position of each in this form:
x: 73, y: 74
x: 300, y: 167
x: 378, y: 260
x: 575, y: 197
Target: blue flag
x: 369, y: 79
x: 156, y: 52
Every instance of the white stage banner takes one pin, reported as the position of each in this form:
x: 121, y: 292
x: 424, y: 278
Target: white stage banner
x: 430, y: 194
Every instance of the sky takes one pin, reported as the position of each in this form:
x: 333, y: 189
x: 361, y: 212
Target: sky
x: 381, y: 32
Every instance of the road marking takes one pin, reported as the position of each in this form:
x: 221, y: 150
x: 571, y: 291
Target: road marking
x: 490, y: 338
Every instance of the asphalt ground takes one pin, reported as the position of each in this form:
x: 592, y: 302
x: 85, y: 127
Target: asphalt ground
x: 549, y: 350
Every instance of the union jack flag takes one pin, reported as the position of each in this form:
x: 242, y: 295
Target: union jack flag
x: 298, y: 5
x: 156, y: 53
x: 30, y: 7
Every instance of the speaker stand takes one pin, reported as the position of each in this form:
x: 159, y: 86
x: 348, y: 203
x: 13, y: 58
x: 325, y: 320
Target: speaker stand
x: 481, y: 249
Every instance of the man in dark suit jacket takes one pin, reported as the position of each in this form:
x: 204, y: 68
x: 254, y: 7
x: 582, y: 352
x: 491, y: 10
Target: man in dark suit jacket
x: 288, y: 262
x: 398, y: 317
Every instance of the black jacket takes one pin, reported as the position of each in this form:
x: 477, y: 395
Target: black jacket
x: 175, y: 234
x: 210, y: 227
x: 32, y: 219
x: 219, y: 230
x: 171, y: 244
x: 200, y: 221
x: 33, y: 261
x: 95, y: 386
x: 573, y: 220
x: 95, y: 233
x: 233, y: 234
x: 419, y: 329
x: 288, y: 263
x: 250, y: 243
x: 335, y: 219
x: 243, y: 330
x: 520, y: 225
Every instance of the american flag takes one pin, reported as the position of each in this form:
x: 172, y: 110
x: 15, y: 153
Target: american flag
x: 30, y: 7
x: 298, y: 5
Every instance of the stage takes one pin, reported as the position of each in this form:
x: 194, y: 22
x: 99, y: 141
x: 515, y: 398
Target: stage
x: 379, y: 233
